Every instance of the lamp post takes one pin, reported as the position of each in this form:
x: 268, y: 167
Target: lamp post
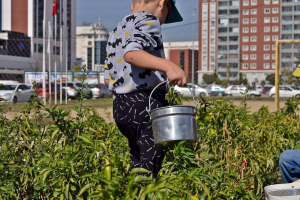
x: 193, y: 52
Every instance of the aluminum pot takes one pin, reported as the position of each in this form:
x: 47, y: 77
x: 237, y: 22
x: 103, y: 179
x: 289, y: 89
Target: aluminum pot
x: 172, y: 124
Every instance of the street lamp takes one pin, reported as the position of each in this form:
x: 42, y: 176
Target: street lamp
x: 193, y: 52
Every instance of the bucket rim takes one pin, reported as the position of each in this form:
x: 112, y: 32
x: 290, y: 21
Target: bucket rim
x: 166, y: 107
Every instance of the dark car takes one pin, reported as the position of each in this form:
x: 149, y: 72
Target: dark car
x: 39, y: 91
x: 267, y: 89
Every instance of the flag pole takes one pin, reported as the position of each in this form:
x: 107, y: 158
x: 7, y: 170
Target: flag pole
x: 55, y: 64
x: 44, y: 55
x: 66, y: 95
x: 61, y: 49
x: 49, y: 52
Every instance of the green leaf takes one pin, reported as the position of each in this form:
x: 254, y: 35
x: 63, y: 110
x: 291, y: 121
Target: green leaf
x: 45, y: 175
x: 85, y: 139
x: 85, y: 188
x: 140, y: 178
x: 139, y: 170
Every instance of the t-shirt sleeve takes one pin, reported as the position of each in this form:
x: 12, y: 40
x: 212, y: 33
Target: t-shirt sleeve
x: 145, y: 35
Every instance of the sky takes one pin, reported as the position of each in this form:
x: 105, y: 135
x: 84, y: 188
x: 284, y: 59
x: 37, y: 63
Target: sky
x: 112, y: 11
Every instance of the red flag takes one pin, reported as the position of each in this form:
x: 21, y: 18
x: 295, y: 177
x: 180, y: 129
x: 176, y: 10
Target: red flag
x: 54, y: 7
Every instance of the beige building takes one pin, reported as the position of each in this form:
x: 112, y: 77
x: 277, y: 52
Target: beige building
x: 91, y: 45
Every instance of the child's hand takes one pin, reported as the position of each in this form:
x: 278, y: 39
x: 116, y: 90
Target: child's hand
x: 176, y: 75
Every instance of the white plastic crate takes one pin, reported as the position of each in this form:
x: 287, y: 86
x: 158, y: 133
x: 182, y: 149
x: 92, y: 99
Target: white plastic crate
x: 289, y: 191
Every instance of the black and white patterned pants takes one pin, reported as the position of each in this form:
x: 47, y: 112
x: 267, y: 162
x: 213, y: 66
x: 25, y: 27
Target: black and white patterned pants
x: 134, y: 123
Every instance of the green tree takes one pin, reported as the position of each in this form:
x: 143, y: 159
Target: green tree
x: 271, y: 79
x: 76, y: 68
x: 210, y: 78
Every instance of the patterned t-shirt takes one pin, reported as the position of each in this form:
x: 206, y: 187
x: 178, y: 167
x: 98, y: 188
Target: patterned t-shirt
x: 138, y: 31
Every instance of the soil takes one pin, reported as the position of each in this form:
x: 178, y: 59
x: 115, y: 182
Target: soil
x: 106, y: 112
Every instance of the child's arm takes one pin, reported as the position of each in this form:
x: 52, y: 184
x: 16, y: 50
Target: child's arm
x: 145, y: 60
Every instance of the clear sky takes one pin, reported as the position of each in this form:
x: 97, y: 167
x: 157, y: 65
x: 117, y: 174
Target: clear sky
x: 112, y: 11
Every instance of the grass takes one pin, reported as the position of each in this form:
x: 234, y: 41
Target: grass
x: 93, y: 103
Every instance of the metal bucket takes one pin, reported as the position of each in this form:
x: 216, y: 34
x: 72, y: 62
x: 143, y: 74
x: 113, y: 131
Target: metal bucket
x: 172, y: 124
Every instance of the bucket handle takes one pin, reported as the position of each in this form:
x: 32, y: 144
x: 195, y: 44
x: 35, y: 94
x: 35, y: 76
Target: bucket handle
x: 167, y: 82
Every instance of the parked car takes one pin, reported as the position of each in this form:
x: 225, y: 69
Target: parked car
x: 267, y: 89
x: 259, y: 88
x: 15, y: 92
x: 241, y: 90
x: 285, y: 91
x: 186, y: 91
x: 215, y: 90
x: 73, y: 89
x: 100, y: 90
x: 39, y: 91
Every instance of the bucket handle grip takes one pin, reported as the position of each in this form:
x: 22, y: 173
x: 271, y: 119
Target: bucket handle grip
x: 167, y: 82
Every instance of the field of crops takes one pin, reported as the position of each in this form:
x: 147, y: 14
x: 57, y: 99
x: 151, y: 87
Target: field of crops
x: 49, y: 154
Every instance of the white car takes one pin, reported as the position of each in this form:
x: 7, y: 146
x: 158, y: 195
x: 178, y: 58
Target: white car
x: 100, y: 90
x: 73, y: 87
x: 285, y: 91
x: 15, y: 92
x: 240, y: 91
x: 186, y: 91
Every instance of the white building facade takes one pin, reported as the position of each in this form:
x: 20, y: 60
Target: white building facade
x: 91, y: 45
x: 27, y: 17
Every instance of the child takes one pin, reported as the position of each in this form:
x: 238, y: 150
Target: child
x: 135, y: 64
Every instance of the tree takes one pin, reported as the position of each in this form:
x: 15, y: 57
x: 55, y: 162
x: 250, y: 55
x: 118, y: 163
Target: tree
x: 228, y: 71
x: 271, y: 79
x: 262, y: 83
x: 210, y: 78
x: 76, y: 68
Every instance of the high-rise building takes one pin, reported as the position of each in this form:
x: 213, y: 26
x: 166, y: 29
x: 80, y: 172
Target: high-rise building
x: 91, y: 45
x: 238, y: 36
x: 26, y: 16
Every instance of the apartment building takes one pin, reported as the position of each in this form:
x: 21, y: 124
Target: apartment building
x: 238, y: 36
x: 91, y: 45
x: 26, y: 17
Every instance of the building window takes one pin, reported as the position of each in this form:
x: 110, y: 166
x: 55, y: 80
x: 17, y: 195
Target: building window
x: 212, y: 58
x: 245, y: 3
x: 275, y: 29
x: 253, y: 20
x: 245, y: 57
x: 275, y: 10
x: 273, y: 56
x: 212, y: 49
x: 273, y: 66
x: 266, y: 56
x: 253, y: 38
x: 245, y: 39
x: 274, y: 37
x: 274, y: 19
x: 246, y: 11
x: 266, y: 65
x: 246, y: 30
x: 253, y: 57
x: 266, y: 47
x: 212, y: 32
x: 267, y: 19
x: 89, y: 43
x: 253, y: 48
x: 267, y: 11
x: 253, y: 2
x: 245, y: 65
x: 40, y: 48
x: 275, y: 1
x: 267, y: 38
x: 182, y: 59
x: 267, y: 29
x: 245, y: 21
x: 274, y: 47
x: 253, y: 11
x: 212, y: 67
x: 267, y: 1
x: 245, y: 48
x: 253, y: 29
x: 253, y: 65
x: 90, y: 59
